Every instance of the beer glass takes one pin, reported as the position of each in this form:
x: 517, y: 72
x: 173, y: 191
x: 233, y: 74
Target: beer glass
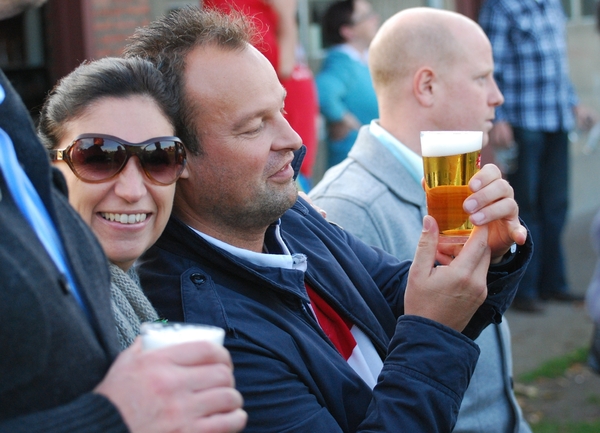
x: 450, y: 159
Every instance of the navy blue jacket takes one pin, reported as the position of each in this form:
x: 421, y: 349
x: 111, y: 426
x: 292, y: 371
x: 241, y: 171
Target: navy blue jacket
x: 291, y: 376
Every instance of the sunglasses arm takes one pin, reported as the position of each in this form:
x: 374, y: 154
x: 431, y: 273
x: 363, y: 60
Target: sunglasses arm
x: 57, y: 154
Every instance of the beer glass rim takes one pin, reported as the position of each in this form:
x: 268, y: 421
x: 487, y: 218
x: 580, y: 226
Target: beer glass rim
x: 445, y: 143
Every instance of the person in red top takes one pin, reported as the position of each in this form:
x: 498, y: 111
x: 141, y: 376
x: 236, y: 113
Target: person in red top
x: 278, y: 30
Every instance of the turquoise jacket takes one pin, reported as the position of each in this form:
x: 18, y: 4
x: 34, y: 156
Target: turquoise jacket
x: 344, y: 85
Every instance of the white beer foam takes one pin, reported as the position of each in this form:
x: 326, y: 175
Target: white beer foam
x: 445, y: 143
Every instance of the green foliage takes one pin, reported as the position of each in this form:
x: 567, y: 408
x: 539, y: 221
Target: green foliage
x: 566, y: 427
x: 593, y: 399
x: 556, y: 367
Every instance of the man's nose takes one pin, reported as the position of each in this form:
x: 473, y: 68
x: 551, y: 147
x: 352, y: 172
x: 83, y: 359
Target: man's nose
x: 287, y: 138
x: 496, y: 98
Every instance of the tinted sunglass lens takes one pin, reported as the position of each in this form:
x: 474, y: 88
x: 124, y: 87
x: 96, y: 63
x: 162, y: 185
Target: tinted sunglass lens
x: 96, y: 159
x: 163, y: 161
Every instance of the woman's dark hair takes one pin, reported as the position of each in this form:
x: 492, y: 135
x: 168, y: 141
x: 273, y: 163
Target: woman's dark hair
x: 338, y: 14
x: 110, y: 77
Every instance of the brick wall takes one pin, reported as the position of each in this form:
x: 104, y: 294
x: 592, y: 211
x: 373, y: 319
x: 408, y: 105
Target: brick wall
x: 113, y: 21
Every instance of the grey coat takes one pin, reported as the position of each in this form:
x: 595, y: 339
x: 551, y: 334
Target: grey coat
x: 372, y: 195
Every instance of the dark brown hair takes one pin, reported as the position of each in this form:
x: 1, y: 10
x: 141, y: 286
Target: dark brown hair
x: 337, y: 15
x: 104, y: 78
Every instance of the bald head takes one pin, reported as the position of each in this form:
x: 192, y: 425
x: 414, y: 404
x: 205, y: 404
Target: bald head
x: 418, y: 37
x: 433, y: 71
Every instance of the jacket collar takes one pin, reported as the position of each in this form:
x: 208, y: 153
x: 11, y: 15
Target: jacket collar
x: 181, y: 239
x: 384, y: 166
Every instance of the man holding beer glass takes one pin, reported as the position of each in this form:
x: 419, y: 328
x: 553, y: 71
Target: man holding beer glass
x: 327, y: 334
x: 432, y: 71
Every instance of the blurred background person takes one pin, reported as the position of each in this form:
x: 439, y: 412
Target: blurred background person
x: 277, y: 26
x: 532, y: 71
x: 346, y: 96
x: 125, y: 200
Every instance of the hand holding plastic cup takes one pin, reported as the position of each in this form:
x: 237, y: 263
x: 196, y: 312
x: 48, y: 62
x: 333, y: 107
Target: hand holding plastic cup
x: 450, y: 159
x: 162, y: 334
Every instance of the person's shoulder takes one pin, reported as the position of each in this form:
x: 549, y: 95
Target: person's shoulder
x: 349, y: 181
x: 178, y: 243
x: 369, y: 171
x: 336, y: 53
x: 335, y: 61
x: 332, y: 177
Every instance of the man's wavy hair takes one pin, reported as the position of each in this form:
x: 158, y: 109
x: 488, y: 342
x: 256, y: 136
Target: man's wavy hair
x: 166, y: 43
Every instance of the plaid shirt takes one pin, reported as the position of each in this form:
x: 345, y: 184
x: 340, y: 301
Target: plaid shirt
x: 531, y: 66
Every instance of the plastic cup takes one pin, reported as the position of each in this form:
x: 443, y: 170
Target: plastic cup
x: 156, y: 335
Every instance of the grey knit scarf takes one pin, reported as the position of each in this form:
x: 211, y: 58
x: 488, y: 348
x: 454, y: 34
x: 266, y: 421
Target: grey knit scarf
x: 130, y: 306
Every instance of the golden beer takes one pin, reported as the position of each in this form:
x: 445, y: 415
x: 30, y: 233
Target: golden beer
x: 450, y: 159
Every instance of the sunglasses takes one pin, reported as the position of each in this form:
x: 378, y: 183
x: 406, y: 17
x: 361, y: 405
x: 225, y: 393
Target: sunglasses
x: 97, y: 158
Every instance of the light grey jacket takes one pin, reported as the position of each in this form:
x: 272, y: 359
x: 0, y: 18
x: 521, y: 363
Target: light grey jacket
x: 371, y: 195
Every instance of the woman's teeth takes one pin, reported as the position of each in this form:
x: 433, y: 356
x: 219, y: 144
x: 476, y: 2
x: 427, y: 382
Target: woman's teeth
x: 124, y: 218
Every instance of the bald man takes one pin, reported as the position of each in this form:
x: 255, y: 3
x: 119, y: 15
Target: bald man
x: 432, y: 70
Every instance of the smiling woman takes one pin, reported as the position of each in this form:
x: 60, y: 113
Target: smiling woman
x: 108, y: 129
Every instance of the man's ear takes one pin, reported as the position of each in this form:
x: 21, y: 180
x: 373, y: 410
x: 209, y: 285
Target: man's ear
x: 423, y: 86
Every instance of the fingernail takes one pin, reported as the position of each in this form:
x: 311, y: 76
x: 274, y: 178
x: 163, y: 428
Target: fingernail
x: 470, y: 205
x: 426, y: 224
x: 475, y: 184
x: 477, y: 218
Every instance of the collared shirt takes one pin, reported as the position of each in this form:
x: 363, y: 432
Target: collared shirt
x: 280, y: 259
x: 409, y: 159
x: 531, y: 65
x: 364, y: 359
